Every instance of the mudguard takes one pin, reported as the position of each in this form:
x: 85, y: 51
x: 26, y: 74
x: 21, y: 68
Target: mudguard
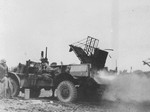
x: 14, y: 76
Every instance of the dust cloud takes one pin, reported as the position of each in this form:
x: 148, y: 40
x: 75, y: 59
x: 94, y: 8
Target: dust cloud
x: 125, y: 87
x: 129, y: 92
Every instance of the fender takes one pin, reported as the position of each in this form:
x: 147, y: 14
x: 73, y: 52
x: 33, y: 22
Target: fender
x: 15, y: 76
x: 61, y: 77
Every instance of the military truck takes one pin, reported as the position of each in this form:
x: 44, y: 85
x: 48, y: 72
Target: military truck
x: 67, y: 81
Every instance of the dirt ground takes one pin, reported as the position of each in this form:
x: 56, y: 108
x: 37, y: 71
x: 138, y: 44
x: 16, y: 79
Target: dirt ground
x: 46, y: 104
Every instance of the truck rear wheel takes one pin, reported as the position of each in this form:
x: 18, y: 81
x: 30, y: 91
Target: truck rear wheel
x: 14, y: 87
x: 66, y: 91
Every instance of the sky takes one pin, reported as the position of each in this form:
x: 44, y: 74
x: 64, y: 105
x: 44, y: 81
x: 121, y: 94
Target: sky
x: 28, y: 26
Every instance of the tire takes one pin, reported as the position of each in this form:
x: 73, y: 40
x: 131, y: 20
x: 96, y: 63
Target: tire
x: 14, y: 87
x: 66, y: 92
x: 34, y: 93
x: 81, y: 93
x: 100, y: 91
x: 86, y: 93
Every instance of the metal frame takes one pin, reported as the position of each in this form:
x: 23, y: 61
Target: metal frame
x: 88, y: 45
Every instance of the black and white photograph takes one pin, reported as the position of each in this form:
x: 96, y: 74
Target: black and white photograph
x: 74, y: 55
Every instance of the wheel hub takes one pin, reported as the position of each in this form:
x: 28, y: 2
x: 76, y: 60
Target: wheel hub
x: 65, y: 93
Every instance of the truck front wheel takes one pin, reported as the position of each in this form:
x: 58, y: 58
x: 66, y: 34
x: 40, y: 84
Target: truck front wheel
x: 14, y: 87
x: 66, y: 91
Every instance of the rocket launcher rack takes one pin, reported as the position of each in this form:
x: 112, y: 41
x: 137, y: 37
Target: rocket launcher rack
x: 88, y: 52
